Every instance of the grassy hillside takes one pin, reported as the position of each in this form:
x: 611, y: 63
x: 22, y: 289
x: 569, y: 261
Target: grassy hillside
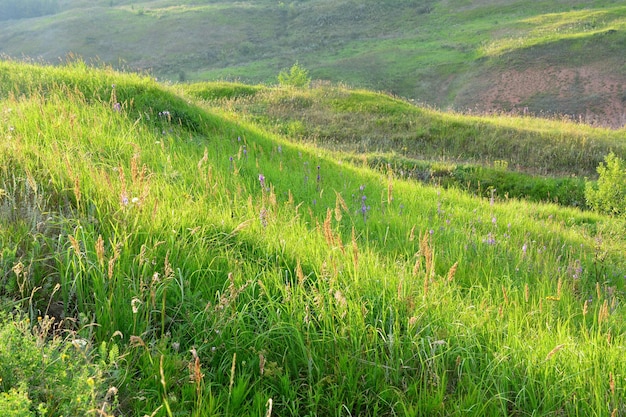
x: 187, y: 261
x: 502, y: 156
x: 547, y: 57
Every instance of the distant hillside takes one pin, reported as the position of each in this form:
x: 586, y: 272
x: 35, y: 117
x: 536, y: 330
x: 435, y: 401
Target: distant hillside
x: 543, y: 57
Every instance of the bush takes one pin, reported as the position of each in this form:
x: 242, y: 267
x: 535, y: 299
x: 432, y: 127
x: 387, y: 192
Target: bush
x: 296, y: 77
x: 608, y: 195
x: 44, y: 375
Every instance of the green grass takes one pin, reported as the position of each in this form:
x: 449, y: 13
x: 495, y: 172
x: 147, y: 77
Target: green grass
x: 350, y: 120
x: 321, y: 288
x: 444, y: 53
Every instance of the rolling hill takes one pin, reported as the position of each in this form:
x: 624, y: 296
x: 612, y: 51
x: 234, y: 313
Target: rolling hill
x: 165, y: 254
x: 546, y: 58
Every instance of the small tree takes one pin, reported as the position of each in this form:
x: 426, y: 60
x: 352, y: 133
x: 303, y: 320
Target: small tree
x: 296, y: 77
x: 609, y: 194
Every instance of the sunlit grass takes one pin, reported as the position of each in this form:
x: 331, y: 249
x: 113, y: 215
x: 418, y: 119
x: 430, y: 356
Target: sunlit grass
x: 220, y: 269
x: 554, y: 27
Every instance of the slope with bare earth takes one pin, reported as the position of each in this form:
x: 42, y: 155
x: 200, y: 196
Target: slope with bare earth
x: 583, y: 79
x: 543, y: 57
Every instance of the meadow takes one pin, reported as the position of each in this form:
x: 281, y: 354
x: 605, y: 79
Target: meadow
x: 174, y: 251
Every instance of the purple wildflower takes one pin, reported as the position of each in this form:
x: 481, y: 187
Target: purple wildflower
x: 262, y: 180
x: 491, y: 240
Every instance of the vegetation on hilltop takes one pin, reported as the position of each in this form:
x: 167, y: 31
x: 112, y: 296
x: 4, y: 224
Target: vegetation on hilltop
x: 193, y: 263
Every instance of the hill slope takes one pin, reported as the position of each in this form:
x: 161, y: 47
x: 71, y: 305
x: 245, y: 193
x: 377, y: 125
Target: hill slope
x: 207, y: 267
x: 547, y: 57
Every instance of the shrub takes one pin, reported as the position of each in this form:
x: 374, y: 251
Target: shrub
x: 296, y: 77
x: 43, y: 375
x: 609, y: 194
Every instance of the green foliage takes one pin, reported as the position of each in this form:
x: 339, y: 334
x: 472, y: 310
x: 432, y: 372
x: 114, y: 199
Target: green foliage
x: 15, y: 403
x: 297, y: 76
x: 43, y: 375
x: 488, y: 182
x: 608, y: 195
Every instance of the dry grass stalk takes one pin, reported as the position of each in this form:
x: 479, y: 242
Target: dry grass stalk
x: 261, y: 363
x: 338, y: 215
x: 585, y: 307
x: 559, y: 286
x: 554, y: 351
x: 137, y: 341
x: 427, y: 253
x: 342, y: 303
x: 603, y: 314
x: 611, y: 383
x: 100, y: 250
x: 168, y: 271
x: 241, y: 226
x: 328, y: 232
x: 232, y: 374
x: 114, y: 258
x: 290, y: 199
x: 272, y: 197
x: 299, y: 273
x: 339, y: 242
x: 418, y: 265
x: 452, y: 271
x: 75, y: 245
x: 204, y: 159
x: 412, y: 234
x: 195, y: 368
x: 340, y: 205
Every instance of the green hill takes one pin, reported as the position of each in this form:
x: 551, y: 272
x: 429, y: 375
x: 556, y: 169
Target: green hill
x: 541, y: 58
x: 173, y: 257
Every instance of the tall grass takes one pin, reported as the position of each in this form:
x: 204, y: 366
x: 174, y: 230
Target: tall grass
x: 354, y: 120
x: 238, y: 273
